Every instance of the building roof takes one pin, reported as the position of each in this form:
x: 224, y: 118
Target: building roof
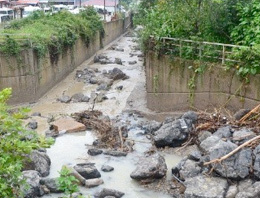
x: 24, y: 2
x: 108, y: 3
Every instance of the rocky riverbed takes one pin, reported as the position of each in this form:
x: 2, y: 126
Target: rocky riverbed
x: 116, y: 147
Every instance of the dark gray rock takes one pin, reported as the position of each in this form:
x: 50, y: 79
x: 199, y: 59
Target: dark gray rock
x: 64, y: 99
x: 37, y: 114
x: 257, y: 162
x: 38, y: 161
x: 32, y: 178
x: 240, y: 113
x: 88, y: 170
x: 94, y: 152
x: 117, y: 74
x: 132, y: 62
x: 109, y: 192
x: 119, y: 87
x: 195, y: 155
x: 244, y: 185
x: 151, y: 127
x: 79, y: 97
x: 103, y: 87
x: 245, y: 195
x: 223, y: 132
x: 119, y: 49
x: 32, y: 124
x: 107, y: 168
x: 151, y: 167
x: 205, y: 187
x: 93, y: 80
x: 173, y: 133
x: 232, y: 191
x: 207, y: 144
x: 190, y: 115
x: 189, y: 169
x: 118, y: 61
x: 176, y: 169
x: 243, y: 135
x: 248, y: 189
x: 96, y: 59
x: 203, y: 135
x: 115, y: 153
x: 236, y: 166
x: 51, y: 184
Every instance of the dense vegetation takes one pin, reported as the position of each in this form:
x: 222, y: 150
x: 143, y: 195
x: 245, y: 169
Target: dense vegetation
x: 15, y: 142
x: 224, y: 21
x: 54, y: 32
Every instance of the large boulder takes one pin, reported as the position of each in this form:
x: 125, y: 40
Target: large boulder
x: 236, y: 166
x: 38, y: 161
x: 105, y: 192
x: 87, y: 170
x: 205, y: 187
x: 151, y: 167
x: 173, y: 133
x: 117, y: 74
x: 32, y: 178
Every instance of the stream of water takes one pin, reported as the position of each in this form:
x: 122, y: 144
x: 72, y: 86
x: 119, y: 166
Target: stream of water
x: 70, y: 149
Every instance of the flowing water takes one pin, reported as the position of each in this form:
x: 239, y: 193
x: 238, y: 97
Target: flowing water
x: 70, y: 149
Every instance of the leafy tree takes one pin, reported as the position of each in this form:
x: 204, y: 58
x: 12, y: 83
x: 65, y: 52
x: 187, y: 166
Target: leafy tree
x: 15, y: 143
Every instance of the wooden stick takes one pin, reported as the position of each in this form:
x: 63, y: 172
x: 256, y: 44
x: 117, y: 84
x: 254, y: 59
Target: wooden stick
x: 249, y: 113
x: 121, y: 138
x: 232, y: 152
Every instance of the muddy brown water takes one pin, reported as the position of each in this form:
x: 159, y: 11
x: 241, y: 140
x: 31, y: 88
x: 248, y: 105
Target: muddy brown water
x: 70, y: 149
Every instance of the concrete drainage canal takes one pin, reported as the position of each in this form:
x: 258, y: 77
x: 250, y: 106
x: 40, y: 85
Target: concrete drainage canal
x: 115, y: 147
x: 97, y: 117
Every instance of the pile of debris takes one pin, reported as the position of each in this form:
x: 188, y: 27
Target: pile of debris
x: 110, y: 135
x: 225, y: 161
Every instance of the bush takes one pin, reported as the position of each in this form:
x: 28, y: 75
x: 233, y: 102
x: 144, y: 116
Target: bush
x: 56, y: 32
x: 15, y: 143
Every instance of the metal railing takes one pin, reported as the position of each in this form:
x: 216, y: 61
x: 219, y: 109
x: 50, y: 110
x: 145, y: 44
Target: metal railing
x: 199, y: 50
x: 22, y: 39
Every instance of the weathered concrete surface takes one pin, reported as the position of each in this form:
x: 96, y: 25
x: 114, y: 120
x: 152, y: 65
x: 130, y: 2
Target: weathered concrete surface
x: 167, y: 86
x: 33, y: 78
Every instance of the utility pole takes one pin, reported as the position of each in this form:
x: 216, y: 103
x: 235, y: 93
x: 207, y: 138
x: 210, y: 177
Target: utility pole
x: 104, y: 10
x: 115, y: 8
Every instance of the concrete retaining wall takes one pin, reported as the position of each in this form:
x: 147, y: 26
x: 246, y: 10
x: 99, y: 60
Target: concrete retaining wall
x: 32, y: 77
x: 167, y: 82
